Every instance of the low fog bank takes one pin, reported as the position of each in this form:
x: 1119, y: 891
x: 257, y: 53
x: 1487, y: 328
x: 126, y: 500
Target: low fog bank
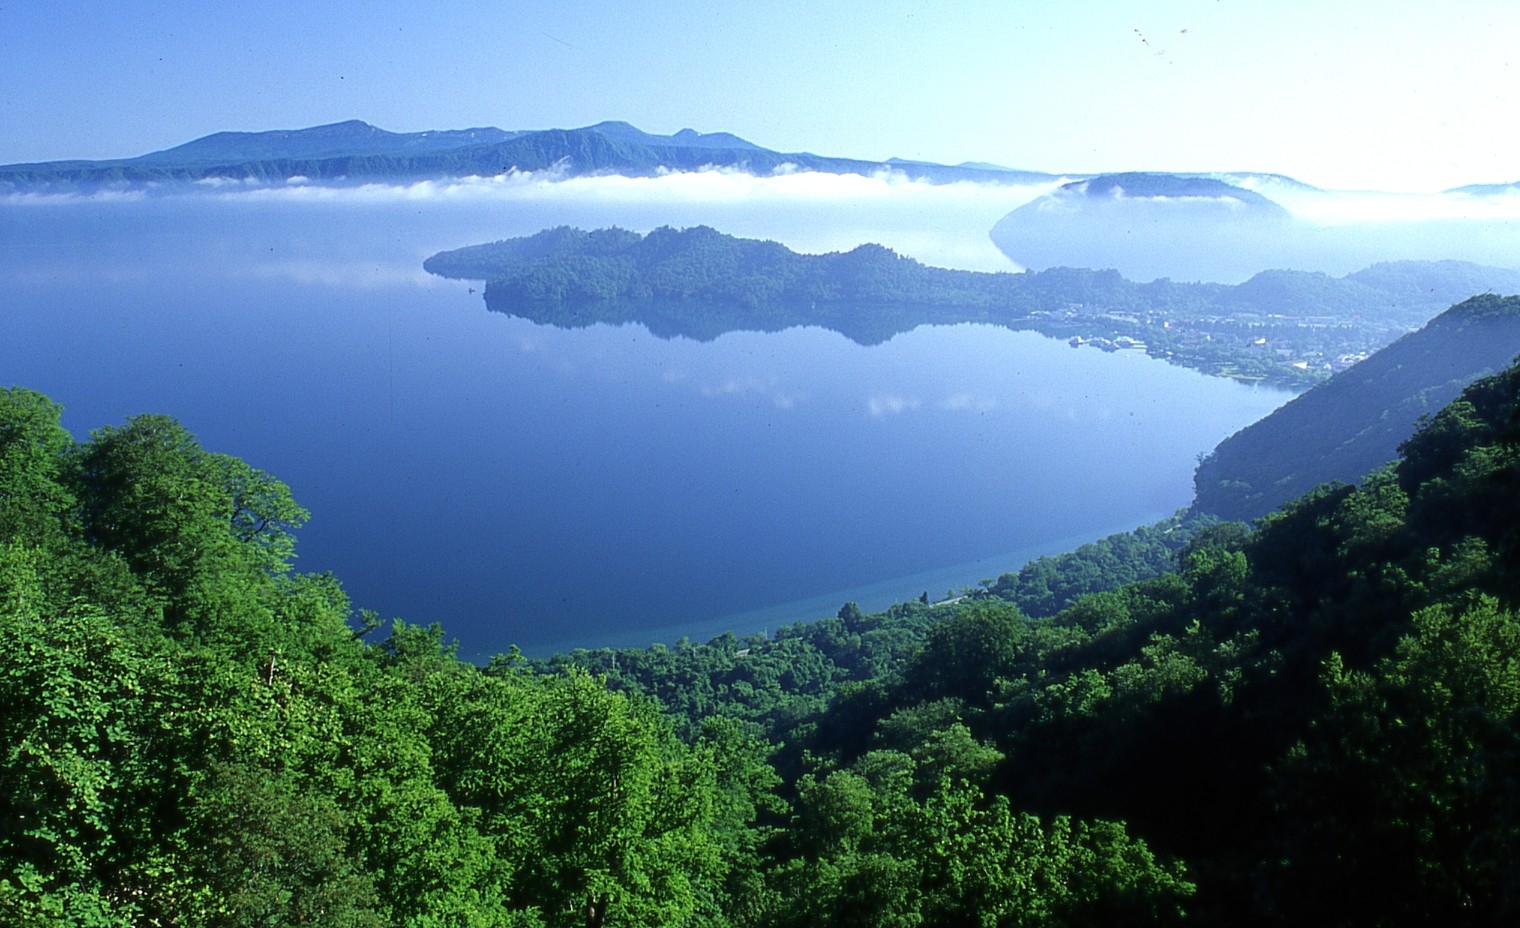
x: 943, y: 225
x: 1224, y: 240
x: 376, y: 234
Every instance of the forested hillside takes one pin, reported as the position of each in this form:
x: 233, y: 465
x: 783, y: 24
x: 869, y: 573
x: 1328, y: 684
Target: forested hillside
x: 1316, y: 722
x: 1353, y: 423
x: 1319, y: 718
x: 195, y: 734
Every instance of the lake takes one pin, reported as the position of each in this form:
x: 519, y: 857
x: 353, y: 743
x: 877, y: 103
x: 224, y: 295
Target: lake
x: 555, y: 488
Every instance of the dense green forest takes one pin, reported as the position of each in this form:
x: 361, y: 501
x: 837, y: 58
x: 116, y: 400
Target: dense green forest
x: 195, y: 734
x: 1288, y: 327
x: 1316, y: 721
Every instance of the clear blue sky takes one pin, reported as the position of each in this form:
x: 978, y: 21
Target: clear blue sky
x: 1383, y: 94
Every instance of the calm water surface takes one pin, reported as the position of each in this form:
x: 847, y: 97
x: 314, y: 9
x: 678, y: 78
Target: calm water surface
x: 550, y: 488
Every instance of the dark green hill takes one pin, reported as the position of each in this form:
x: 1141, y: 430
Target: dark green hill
x: 700, y: 283
x: 1449, y: 282
x: 1285, y: 327
x: 1353, y: 423
x: 1306, y: 293
x: 1401, y: 291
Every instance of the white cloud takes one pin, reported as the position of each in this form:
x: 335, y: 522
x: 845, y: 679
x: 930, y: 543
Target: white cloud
x: 890, y: 404
x: 215, y: 183
x: 1346, y: 208
x: 103, y: 195
x: 943, y: 225
x: 734, y: 386
x: 968, y: 402
x: 766, y: 387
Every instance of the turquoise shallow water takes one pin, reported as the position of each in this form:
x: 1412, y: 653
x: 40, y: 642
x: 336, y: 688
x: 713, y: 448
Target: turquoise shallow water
x: 941, y: 583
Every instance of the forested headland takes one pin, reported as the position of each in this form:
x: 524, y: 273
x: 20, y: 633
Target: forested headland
x: 1291, y: 328
x: 1315, y: 721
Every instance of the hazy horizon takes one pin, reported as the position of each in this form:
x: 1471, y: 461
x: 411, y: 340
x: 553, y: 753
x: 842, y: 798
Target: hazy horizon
x: 1399, y: 97
x: 942, y: 225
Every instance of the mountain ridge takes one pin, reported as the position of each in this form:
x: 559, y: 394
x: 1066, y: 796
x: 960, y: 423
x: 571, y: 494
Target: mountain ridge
x: 261, y: 154
x: 354, y: 150
x: 332, y: 139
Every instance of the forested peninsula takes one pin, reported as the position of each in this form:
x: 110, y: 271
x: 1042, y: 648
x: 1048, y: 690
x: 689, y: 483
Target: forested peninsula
x: 1315, y: 721
x: 1290, y: 328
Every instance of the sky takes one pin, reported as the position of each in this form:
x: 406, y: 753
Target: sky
x: 1344, y: 94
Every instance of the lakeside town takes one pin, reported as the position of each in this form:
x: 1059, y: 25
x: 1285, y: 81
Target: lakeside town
x: 1296, y: 351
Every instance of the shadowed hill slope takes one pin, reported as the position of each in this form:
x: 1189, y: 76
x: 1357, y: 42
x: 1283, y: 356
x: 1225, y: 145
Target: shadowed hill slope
x: 1353, y: 423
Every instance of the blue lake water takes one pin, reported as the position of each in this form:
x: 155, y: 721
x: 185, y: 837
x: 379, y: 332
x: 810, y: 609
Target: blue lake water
x: 550, y: 488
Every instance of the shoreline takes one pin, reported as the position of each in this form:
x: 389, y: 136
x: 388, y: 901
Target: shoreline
x: 871, y: 597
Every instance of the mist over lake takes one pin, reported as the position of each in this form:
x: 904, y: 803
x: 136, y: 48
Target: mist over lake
x: 530, y: 485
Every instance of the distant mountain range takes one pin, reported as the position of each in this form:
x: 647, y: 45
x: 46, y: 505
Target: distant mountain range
x: 1222, y: 227
x: 355, y: 151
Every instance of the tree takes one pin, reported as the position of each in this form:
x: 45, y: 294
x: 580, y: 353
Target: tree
x: 34, y: 503
x: 965, y: 655
x: 263, y: 849
x: 1401, y: 804
x: 205, y: 532
x: 608, y: 818
x: 626, y: 813
x: 75, y: 721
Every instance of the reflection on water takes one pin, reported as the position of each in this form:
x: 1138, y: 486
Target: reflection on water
x: 531, y: 485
